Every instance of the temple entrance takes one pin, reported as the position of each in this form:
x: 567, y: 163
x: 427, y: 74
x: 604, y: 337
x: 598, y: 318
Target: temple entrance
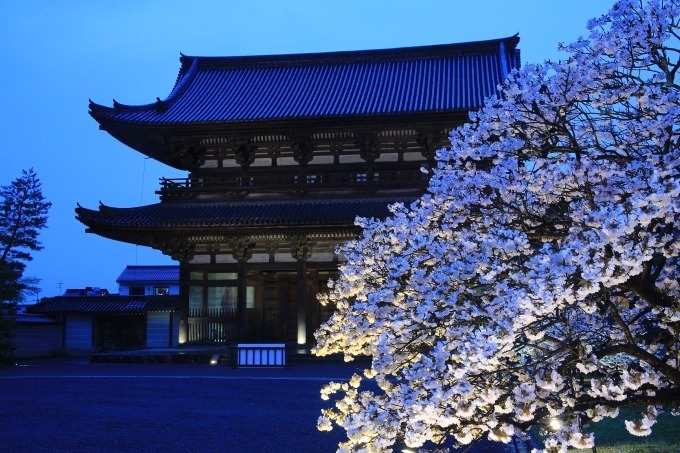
x: 271, y: 307
x: 279, y: 308
x: 274, y: 315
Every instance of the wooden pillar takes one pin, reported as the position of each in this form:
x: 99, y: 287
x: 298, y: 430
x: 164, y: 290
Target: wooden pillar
x: 312, y: 305
x: 300, y: 251
x: 302, y: 301
x: 183, y: 252
x: 241, y: 295
x: 242, y: 251
x: 259, y: 307
x: 183, y: 311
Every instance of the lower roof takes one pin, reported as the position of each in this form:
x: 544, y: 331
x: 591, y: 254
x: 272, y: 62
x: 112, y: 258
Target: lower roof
x: 285, y: 213
x: 106, y: 305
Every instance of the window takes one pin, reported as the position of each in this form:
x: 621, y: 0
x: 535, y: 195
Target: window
x: 195, y: 298
x: 222, y: 297
x: 222, y: 276
x: 250, y: 297
x: 136, y: 291
x: 215, y: 293
x: 161, y: 291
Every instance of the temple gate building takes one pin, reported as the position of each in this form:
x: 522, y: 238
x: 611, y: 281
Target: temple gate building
x: 282, y: 153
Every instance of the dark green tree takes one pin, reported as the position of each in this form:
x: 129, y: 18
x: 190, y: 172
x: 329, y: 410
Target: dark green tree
x: 23, y: 213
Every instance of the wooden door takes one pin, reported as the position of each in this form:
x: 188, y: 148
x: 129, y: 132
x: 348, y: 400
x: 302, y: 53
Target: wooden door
x: 279, y: 305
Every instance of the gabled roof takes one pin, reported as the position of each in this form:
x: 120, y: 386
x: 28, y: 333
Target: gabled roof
x: 106, y: 305
x: 411, y: 80
x: 314, y: 212
x: 133, y: 274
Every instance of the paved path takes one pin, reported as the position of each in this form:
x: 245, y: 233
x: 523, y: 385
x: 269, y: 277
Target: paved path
x: 71, y: 405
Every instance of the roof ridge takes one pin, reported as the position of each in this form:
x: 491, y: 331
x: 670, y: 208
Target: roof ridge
x: 108, y: 297
x: 354, y: 56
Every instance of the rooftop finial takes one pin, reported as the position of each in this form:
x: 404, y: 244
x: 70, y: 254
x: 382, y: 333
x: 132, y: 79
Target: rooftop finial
x: 160, y: 105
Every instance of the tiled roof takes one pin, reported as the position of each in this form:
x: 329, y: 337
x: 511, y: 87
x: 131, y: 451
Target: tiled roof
x: 87, y: 291
x: 34, y: 319
x: 149, y: 274
x: 427, y: 79
x: 106, y: 305
x: 336, y: 212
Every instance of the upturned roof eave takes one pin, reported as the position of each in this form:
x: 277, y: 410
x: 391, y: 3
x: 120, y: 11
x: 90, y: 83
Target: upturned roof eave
x: 111, y: 219
x: 96, y: 226
x: 154, y: 236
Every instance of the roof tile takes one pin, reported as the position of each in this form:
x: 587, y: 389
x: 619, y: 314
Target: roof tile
x: 106, y: 305
x: 427, y: 79
x: 335, y: 212
x: 149, y: 274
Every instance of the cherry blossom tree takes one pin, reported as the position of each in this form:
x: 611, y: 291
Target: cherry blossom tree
x: 539, y: 277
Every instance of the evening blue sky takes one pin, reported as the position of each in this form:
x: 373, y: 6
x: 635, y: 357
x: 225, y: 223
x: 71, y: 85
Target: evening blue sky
x: 57, y: 55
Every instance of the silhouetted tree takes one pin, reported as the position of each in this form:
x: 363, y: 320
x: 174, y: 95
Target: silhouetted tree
x: 23, y: 213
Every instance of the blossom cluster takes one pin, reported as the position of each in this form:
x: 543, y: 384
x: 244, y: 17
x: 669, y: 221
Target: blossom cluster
x: 539, y: 276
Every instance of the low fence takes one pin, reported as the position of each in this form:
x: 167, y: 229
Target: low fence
x: 212, y: 325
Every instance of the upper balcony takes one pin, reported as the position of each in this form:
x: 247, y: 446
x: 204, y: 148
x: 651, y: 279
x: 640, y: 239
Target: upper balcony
x: 290, y: 185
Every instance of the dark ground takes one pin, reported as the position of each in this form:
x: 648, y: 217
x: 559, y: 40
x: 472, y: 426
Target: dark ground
x: 72, y: 405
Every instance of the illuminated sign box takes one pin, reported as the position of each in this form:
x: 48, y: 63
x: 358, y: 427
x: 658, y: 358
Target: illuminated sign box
x: 258, y: 354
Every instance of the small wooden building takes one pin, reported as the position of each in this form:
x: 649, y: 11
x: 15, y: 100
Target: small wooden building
x: 282, y: 153
x: 94, y: 320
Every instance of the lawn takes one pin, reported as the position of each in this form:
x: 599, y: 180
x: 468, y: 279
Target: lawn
x: 611, y: 435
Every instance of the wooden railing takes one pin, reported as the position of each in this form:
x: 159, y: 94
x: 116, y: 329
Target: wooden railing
x: 212, y: 325
x: 239, y: 186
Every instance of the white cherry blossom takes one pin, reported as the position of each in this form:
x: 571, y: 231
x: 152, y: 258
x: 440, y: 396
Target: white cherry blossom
x: 539, y: 276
